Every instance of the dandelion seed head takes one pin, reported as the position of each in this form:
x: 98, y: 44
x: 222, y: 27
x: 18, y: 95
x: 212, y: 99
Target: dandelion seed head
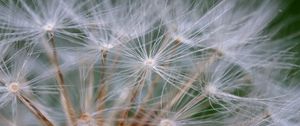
x: 48, y: 27
x: 14, y: 87
x: 167, y: 122
x: 211, y: 89
x: 85, y: 117
x: 149, y: 62
x: 106, y: 46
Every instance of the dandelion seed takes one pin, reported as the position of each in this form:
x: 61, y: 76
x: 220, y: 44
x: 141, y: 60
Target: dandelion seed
x: 167, y: 122
x: 210, y: 89
x: 149, y: 63
x: 86, y: 119
x: 14, y: 87
x: 49, y: 27
x: 106, y: 46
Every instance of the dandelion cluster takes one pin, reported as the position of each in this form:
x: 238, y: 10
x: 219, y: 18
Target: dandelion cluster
x: 146, y: 63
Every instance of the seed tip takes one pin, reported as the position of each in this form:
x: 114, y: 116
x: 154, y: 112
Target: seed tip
x: 167, y: 122
x: 48, y: 27
x: 14, y: 87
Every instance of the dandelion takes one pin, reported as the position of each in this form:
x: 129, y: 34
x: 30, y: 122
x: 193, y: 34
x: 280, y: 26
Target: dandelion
x: 146, y: 63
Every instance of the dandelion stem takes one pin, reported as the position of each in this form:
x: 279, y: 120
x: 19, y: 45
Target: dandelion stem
x: 89, y: 90
x: 132, y: 98
x: 102, y: 88
x: 187, y: 85
x: 151, y: 89
x: 124, y: 113
x: 113, y: 70
x: 40, y: 116
x: 183, y: 90
x: 64, y: 97
x: 139, y: 113
x: 193, y: 102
